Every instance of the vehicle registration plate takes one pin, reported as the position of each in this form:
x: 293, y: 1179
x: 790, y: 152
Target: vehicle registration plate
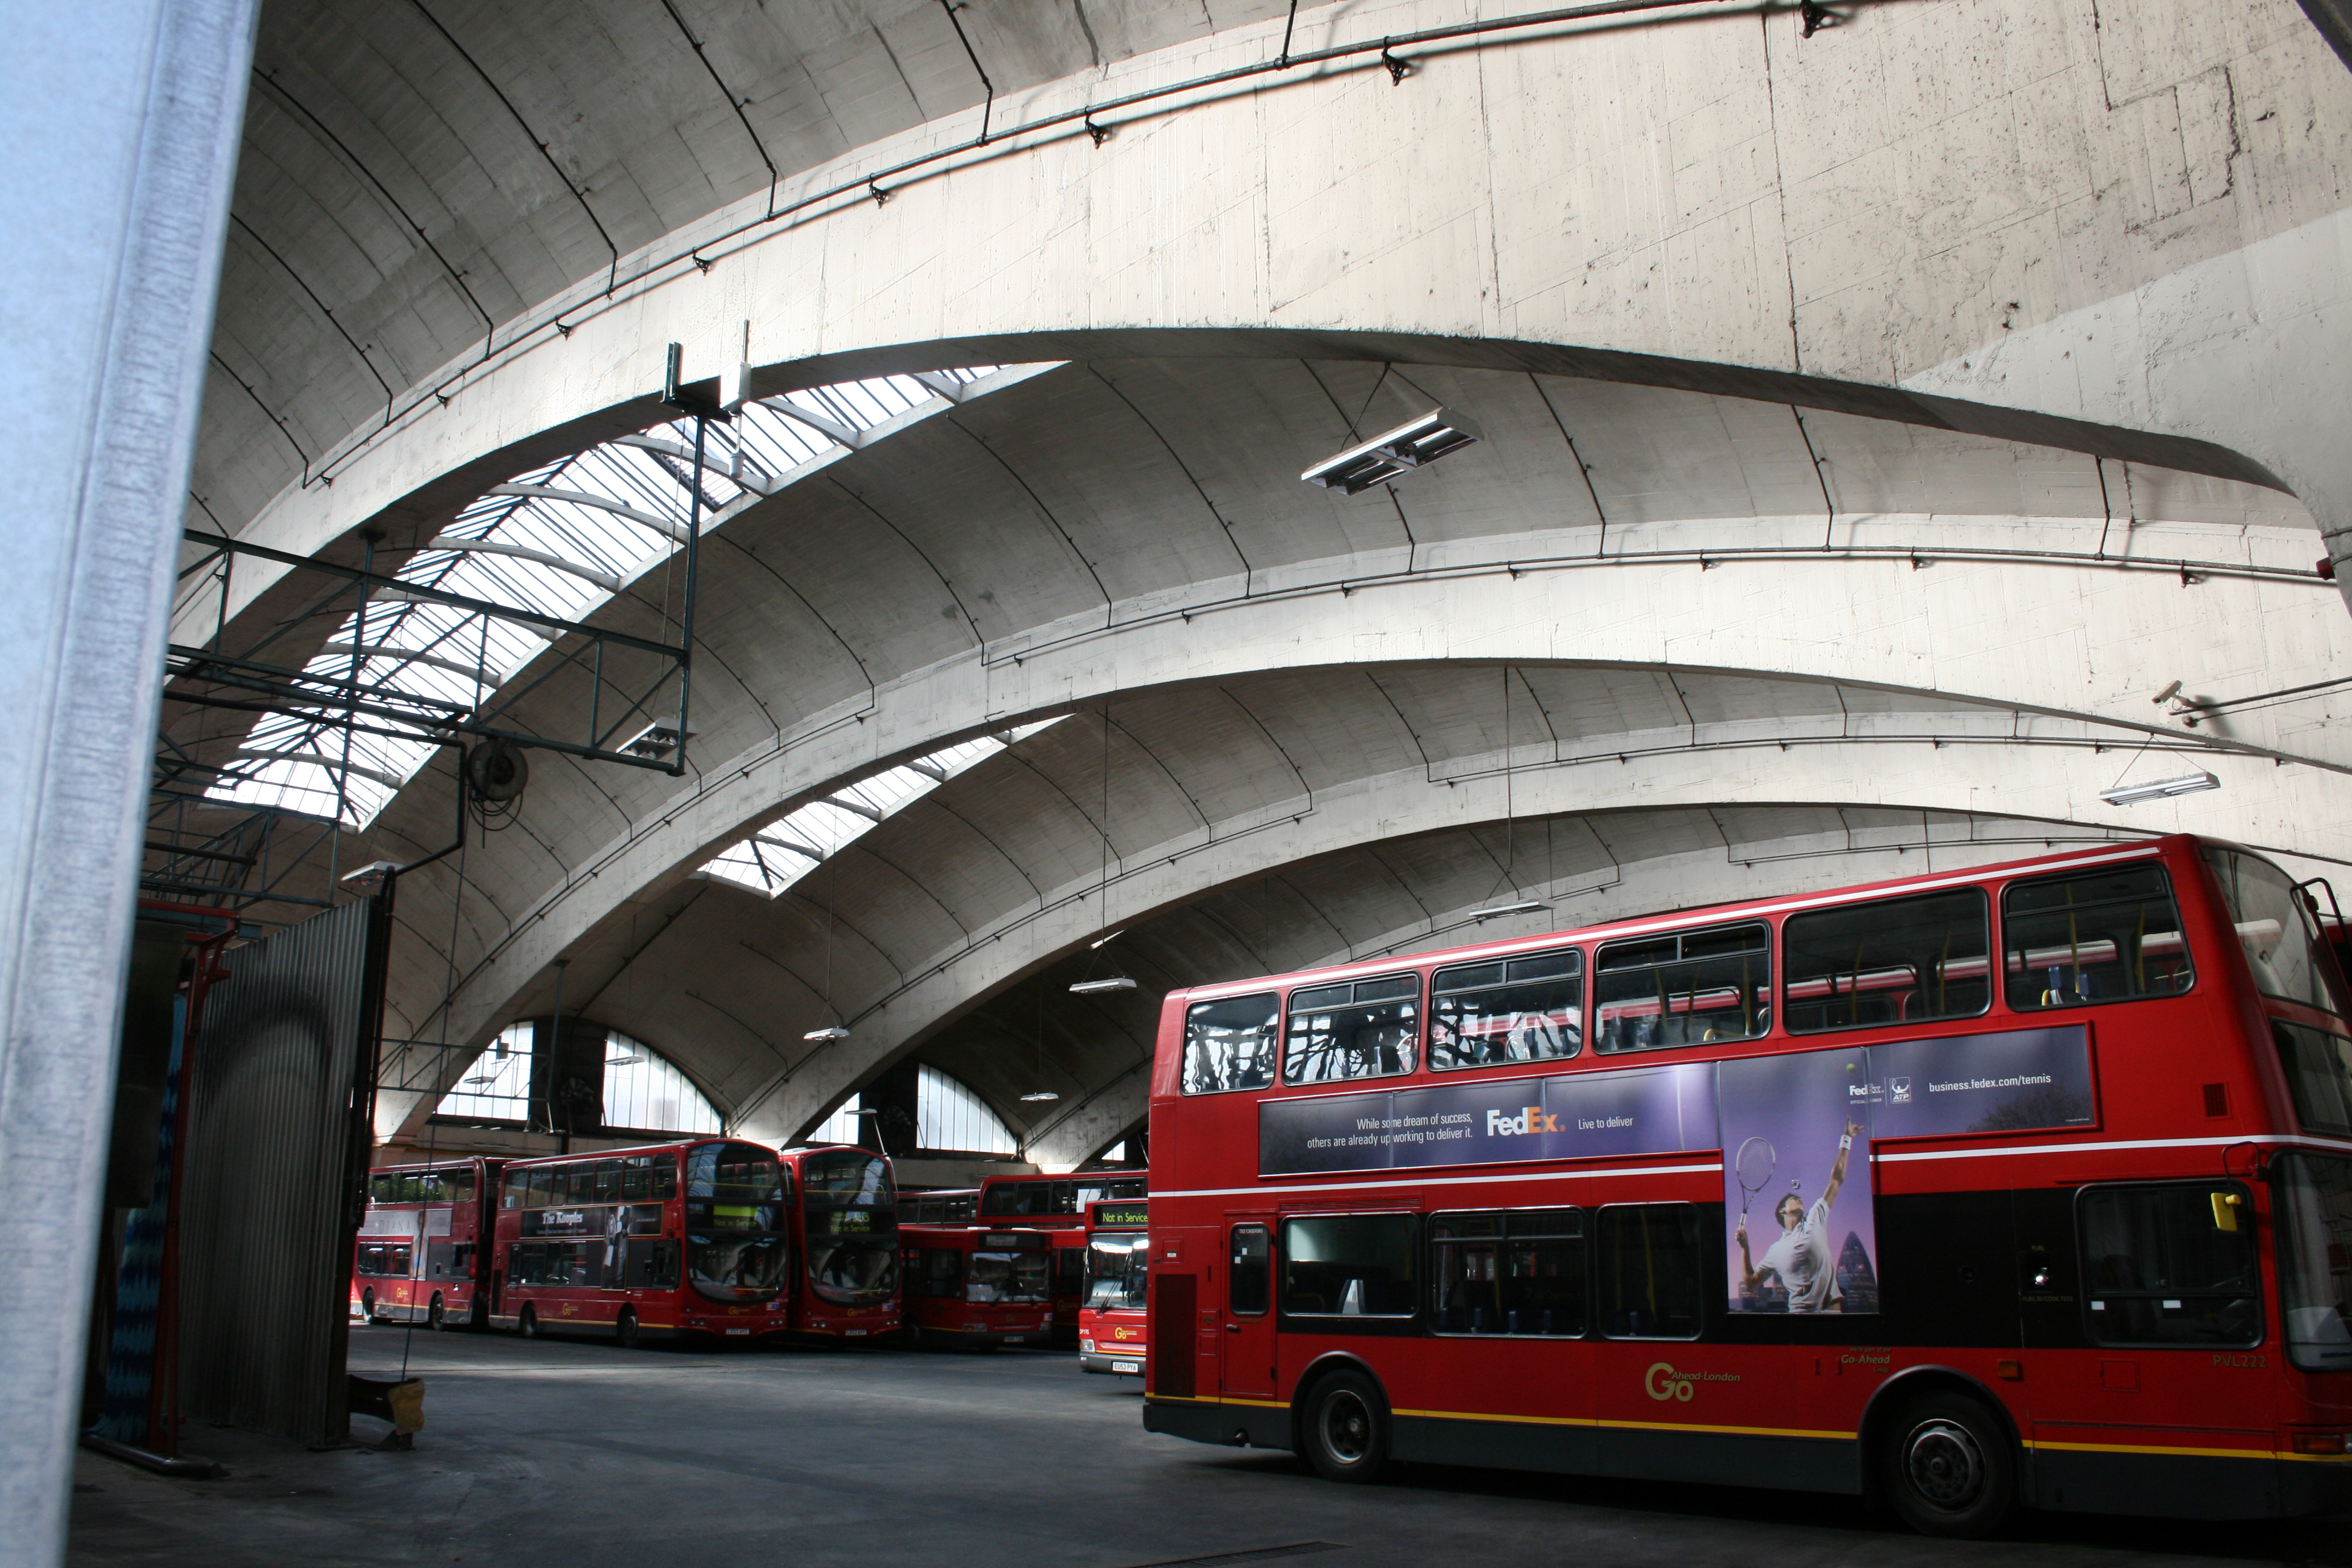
x: 739, y: 1330
x: 1134, y: 1366
x: 853, y: 1333
x: 1015, y: 1339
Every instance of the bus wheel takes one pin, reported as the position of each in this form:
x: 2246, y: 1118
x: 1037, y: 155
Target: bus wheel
x: 1948, y: 1468
x: 436, y: 1315
x: 530, y: 1324
x: 625, y: 1329
x: 1346, y: 1428
x: 367, y: 1304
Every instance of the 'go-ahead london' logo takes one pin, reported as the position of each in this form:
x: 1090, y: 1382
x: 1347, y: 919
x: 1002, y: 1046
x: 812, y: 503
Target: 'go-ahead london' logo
x: 1530, y: 1118
x: 1663, y: 1382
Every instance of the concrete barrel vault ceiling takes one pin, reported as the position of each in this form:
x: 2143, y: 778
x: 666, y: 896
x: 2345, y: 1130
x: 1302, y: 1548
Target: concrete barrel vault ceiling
x: 1715, y: 607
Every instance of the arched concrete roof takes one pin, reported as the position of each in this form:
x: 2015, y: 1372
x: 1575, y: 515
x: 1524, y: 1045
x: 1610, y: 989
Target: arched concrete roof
x: 1693, y: 198
x: 1696, y: 279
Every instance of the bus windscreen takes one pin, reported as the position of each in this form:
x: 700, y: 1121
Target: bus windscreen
x: 735, y: 1239
x: 851, y: 1214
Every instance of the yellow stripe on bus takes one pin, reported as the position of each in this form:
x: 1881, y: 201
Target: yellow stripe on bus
x: 1538, y: 1420
x: 2187, y: 1453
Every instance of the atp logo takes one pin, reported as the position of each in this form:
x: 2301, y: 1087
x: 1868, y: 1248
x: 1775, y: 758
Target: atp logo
x: 1530, y: 1118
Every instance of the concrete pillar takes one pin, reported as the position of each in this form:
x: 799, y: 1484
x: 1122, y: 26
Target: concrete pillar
x: 121, y: 121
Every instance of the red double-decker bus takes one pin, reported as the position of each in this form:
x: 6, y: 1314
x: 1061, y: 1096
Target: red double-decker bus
x: 1114, y: 1332
x: 2026, y: 1185
x: 715, y: 1237
x: 977, y: 1288
x: 419, y: 1254
x: 1059, y: 1204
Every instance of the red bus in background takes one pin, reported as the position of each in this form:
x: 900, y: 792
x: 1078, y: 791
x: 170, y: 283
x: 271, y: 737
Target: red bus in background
x: 419, y: 1259
x: 715, y: 1237
x: 944, y: 1206
x: 977, y: 1288
x: 1059, y: 1204
x: 1113, y: 1328
x: 2031, y: 1184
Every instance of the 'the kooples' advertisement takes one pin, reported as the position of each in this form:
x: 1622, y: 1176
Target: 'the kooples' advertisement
x: 1646, y: 1110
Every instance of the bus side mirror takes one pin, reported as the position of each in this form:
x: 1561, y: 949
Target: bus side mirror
x: 2225, y: 1210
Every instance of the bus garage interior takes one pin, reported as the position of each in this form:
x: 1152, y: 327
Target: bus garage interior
x: 656, y: 641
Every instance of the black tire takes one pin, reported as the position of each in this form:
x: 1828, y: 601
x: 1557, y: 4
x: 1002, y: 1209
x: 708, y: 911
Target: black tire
x: 530, y: 1325
x: 1948, y: 1468
x: 367, y: 1304
x: 625, y: 1329
x: 1344, y: 1428
x: 436, y: 1316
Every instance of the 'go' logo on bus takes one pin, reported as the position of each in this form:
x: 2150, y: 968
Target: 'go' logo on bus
x: 1663, y: 1382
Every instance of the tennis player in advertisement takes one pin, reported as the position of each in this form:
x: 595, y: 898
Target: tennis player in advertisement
x: 1797, y: 1131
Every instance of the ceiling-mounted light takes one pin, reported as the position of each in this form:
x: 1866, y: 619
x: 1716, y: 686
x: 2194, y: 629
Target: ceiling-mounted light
x: 1532, y: 906
x: 830, y: 1033
x: 626, y: 1059
x: 2134, y: 794
x: 1038, y: 1095
x: 1411, y: 445
x: 1099, y: 987
x: 371, y: 877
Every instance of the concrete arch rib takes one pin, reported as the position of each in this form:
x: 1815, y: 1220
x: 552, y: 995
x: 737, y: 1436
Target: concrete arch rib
x: 2028, y: 641
x: 1317, y: 255
x: 2044, y: 783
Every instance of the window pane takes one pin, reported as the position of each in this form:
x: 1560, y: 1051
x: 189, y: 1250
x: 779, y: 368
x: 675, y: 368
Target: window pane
x: 2160, y: 1271
x: 1528, y: 1011
x: 1116, y: 1267
x: 1683, y: 990
x: 2318, y: 1075
x: 1648, y: 1271
x: 1246, y: 1274
x: 1509, y: 1273
x: 2315, y: 1206
x: 1230, y: 1044
x: 1349, y: 1266
x: 1371, y: 1036
x: 2275, y: 927
x: 2109, y: 935
x: 1892, y: 960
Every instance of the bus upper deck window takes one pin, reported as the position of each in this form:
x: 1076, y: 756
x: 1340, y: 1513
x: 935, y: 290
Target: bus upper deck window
x: 1229, y: 1043
x: 1362, y: 1028
x: 1890, y: 961
x: 2108, y: 934
x: 1684, y: 988
x: 2276, y: 930
x: 1510, y: 1010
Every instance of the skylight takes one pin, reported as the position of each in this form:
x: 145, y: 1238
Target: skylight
x: 561, y: 540
x: 781, y: 853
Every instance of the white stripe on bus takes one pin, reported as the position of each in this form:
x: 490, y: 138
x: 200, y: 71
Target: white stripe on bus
x: 1714, y: 1168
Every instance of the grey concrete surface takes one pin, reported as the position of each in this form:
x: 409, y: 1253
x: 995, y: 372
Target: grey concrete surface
x: 584, y: 1456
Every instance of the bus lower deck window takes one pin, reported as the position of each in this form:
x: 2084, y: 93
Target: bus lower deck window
x: 1521, y: 1272
x: 1648, y: 1271
x: 2159, y: 1268
x: 1349, y: 1266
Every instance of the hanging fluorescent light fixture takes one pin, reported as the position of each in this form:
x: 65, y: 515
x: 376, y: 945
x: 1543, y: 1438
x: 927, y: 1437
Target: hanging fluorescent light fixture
x: 1037, y: 1096
x: 1414, y: 444
x: 1531, y: 907
x: 1099, y: 987
x: 2157, y: 789
x: 830, y: 1033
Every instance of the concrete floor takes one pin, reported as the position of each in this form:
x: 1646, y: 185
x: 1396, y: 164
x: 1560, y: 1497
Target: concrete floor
x: 583, y: 1456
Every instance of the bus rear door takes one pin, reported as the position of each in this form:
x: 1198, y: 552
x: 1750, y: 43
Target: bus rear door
x: 1245, y: 1369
